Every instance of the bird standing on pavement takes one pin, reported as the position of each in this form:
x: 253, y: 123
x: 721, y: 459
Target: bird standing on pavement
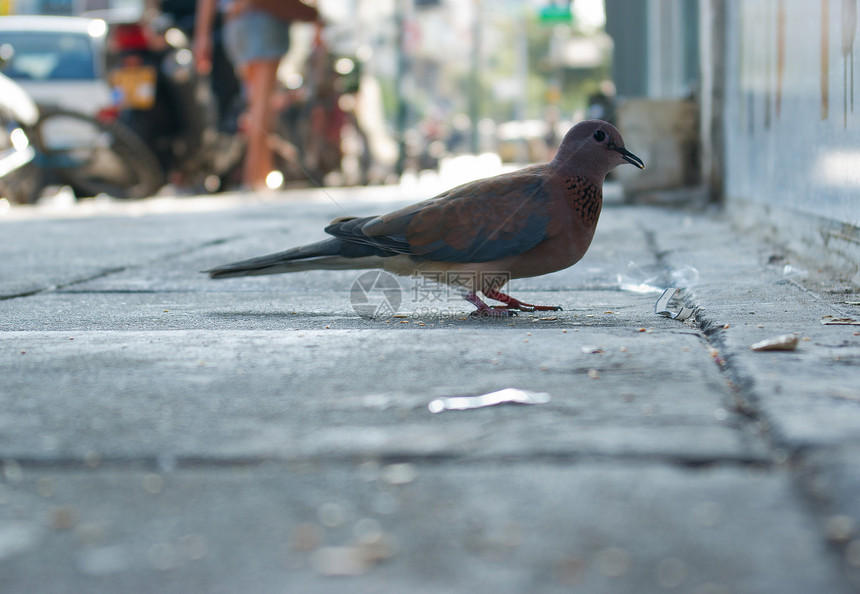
x: 479, y: 235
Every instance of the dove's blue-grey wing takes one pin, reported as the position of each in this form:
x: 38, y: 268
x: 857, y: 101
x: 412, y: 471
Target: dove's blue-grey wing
x: 480, y: 221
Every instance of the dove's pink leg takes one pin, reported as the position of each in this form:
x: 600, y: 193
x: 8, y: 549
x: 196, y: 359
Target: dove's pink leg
x: 517, y: 304
x: 485, y: 310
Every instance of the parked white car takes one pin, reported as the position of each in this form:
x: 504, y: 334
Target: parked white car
x: 58, y: 60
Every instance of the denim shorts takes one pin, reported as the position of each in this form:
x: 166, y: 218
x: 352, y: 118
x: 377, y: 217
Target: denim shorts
x: 255, y: 35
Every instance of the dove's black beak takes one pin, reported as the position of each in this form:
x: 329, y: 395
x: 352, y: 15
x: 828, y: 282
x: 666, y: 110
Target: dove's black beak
x: 628, y: 156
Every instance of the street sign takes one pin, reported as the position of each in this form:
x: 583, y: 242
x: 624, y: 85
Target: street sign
x: 555, y: 13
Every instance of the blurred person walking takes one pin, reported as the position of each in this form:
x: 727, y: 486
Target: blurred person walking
x: 256, y: 36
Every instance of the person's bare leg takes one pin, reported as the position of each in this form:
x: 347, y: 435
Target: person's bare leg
x: 260, y: 80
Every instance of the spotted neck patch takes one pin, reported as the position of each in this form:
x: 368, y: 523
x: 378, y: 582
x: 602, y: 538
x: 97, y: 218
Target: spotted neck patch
x: 585, y: 198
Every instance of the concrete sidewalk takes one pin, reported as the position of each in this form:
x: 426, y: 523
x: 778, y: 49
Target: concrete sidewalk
x: 161, y: 432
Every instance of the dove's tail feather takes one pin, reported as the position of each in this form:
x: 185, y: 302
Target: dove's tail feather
x: 323, y: 255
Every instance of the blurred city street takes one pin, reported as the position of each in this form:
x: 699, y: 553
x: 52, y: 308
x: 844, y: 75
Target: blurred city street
x: 167, y: 433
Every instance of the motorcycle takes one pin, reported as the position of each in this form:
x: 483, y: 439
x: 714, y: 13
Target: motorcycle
x: 171, y: 107
x: 44, y: 145
x: 18, y: 113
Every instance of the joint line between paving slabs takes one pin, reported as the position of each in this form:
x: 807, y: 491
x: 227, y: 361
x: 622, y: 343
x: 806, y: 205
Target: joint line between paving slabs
x: 196, y: 462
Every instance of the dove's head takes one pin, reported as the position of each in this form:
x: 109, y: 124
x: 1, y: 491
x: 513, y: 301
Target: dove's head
x: 592, y: 149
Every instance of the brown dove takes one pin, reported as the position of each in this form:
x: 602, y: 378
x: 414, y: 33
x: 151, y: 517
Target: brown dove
x: 479, y: 235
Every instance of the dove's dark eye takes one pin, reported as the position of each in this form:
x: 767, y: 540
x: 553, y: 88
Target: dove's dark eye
x: 599, y: 136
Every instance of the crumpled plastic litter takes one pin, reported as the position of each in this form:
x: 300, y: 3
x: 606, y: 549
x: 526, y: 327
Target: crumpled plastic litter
x: 790, y: 271
x: 637, y: 279
x: 508, y: 395
x: 661, y: 308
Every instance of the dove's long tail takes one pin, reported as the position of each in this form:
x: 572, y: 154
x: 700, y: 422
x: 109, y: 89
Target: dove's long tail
x: 330, y: 254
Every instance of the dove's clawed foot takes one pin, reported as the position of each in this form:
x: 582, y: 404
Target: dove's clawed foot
x: 511, y: 308
x: 511, y: 303
x: 485, y: 311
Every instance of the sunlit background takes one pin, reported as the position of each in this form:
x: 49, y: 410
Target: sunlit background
x: 709, y: 93
x: 434, y: 78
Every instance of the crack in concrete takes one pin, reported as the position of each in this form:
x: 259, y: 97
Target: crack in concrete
x: 175, y: 463
x: 751, y: 417
x: 63, y: 286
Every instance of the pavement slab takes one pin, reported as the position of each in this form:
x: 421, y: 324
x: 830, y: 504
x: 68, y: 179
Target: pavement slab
x: 339, y: 393
x: 521, y: 526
